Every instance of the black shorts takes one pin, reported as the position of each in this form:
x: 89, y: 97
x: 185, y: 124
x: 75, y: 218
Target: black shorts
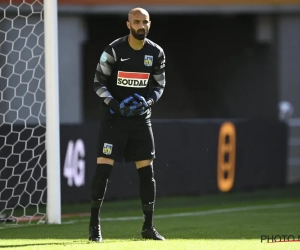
x: 126, y: 140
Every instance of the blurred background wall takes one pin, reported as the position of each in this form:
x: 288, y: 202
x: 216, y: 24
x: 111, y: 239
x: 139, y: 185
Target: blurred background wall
x: 238, y: 59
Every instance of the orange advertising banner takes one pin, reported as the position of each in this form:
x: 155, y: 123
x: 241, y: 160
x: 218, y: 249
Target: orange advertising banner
x: 162, y: 2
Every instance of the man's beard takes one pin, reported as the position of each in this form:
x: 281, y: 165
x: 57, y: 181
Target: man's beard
x: 138, y: 36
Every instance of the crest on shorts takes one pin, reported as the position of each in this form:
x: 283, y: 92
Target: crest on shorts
x: 107, y: 149
x: 148, y: 61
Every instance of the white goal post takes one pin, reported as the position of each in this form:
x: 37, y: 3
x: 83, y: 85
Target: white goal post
x: 30, y: 182
x: 52, y: 111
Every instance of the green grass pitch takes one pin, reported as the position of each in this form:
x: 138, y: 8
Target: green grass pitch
x: 221, y: 221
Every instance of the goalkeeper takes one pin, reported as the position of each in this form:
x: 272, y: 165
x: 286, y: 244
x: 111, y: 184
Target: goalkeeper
x: 129, y: 79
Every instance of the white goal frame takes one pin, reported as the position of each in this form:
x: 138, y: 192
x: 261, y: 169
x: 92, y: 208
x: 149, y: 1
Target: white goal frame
x: 53, y: 210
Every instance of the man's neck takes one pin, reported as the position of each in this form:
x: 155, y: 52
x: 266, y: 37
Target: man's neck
x: 134, y: 43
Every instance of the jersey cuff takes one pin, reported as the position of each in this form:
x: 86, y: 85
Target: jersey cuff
x: 150, y: 102
x: 114, y: 105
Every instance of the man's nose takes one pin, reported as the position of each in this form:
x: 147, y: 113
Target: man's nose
x: 141, y: 26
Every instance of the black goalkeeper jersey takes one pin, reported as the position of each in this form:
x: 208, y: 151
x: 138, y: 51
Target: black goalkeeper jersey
x: 123, y: 71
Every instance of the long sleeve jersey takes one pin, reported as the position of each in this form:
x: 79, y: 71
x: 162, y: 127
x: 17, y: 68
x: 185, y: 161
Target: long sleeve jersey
x: 123, y: 71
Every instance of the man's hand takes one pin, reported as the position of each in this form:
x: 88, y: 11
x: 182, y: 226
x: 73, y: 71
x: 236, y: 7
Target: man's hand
x: 130, y: 107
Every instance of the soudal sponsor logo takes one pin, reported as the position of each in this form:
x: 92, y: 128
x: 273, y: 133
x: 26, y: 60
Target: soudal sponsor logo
x: 132, y: 79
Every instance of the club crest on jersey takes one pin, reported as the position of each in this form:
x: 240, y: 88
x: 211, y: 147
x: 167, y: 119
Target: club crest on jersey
x: 148, y: 61
x: 132, y: 79
x: 107, y: 149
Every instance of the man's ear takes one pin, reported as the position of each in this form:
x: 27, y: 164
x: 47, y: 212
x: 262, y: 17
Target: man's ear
x: 128, y: 24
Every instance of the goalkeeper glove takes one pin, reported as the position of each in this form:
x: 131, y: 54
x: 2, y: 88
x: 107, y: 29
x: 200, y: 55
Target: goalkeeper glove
x: 146, y: 103
x: 131, y: 110
x: 128, y: 107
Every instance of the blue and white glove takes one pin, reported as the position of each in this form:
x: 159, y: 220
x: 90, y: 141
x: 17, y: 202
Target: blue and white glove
x: 146, y: 103
x: 130, y: 107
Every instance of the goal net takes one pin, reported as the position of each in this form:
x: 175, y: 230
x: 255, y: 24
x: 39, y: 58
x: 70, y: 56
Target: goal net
x: 23, y: 164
